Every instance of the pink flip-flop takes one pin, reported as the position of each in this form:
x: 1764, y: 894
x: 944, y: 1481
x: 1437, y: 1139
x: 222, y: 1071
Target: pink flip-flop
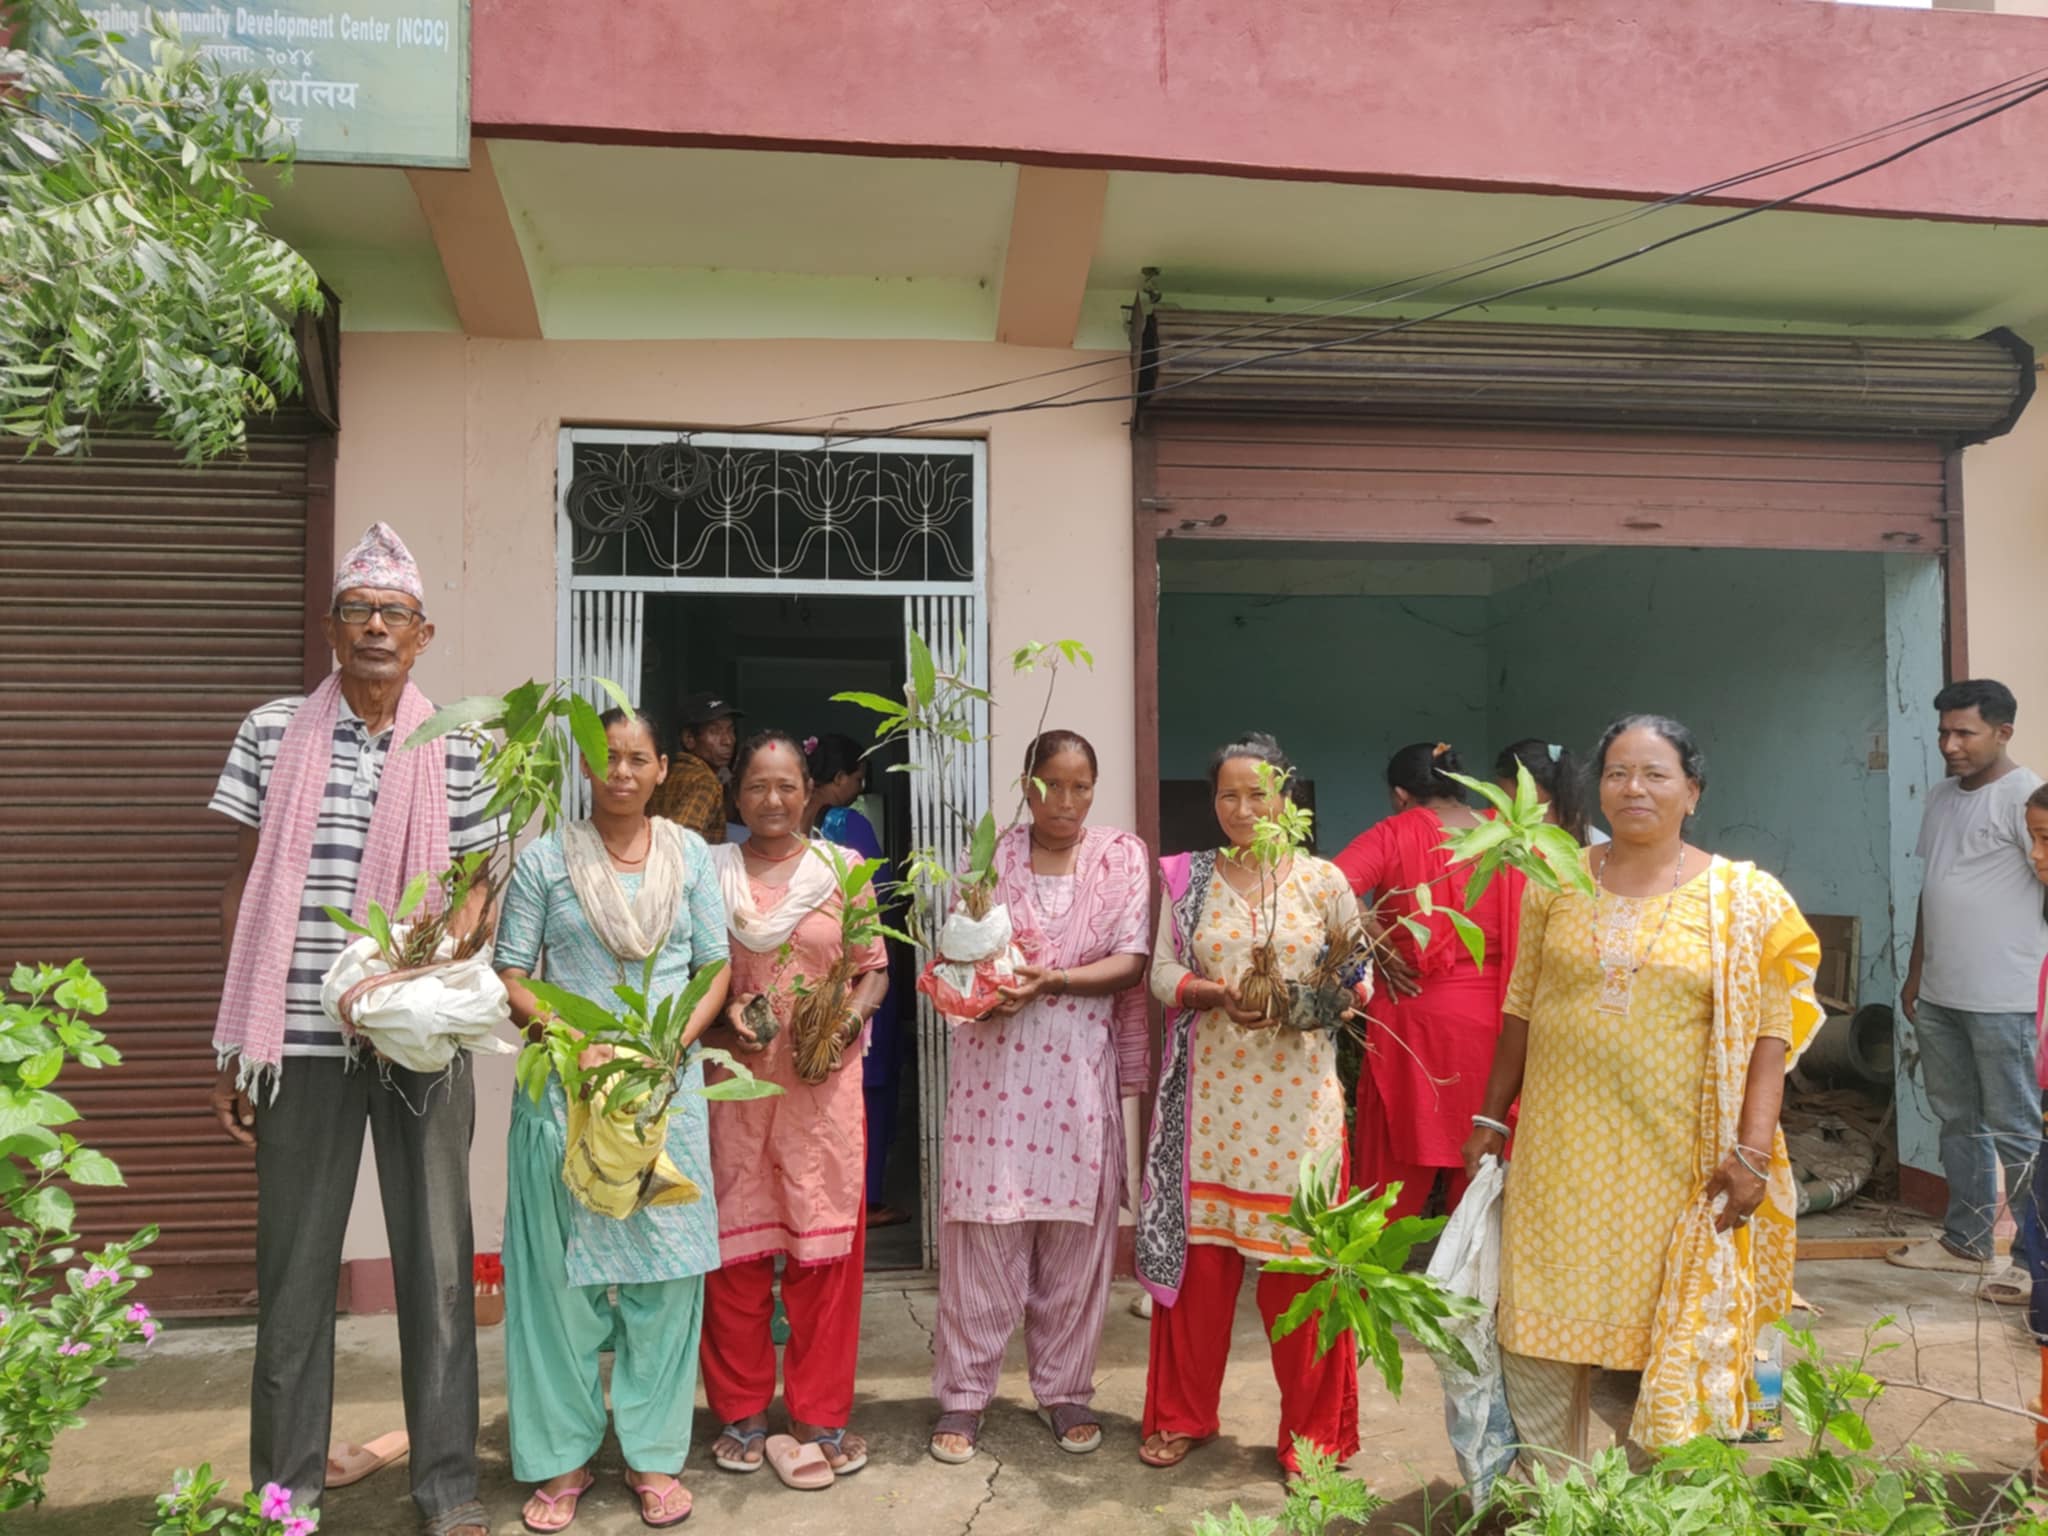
x: 348, y: 1463
x: 554, y: 1501
x: 642, y: 1490
x: 801, y: 1466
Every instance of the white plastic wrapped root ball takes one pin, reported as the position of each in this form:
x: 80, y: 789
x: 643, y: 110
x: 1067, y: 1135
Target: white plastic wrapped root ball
x: 976, y: 955
x: 420, y: 1022
x: 965, y: 939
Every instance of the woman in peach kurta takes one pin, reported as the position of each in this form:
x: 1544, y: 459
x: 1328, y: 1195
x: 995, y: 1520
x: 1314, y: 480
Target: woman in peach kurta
x: 788, y: 1169
x: 1242, y: 1106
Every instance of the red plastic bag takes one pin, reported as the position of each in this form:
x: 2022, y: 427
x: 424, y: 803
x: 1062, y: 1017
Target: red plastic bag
x: 942, y: 980
x: 975, y: 958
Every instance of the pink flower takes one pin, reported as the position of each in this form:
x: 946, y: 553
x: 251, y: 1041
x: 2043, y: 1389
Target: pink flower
x: 100, y: 1275
x: 140, y: 1314
x: 277, y: 1502
x: 299, y: 1525
x: 73, y: 1347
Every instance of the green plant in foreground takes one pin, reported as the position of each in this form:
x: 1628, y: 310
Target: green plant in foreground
x: 648, y: 1054
x: 541, y: 731
x: 1319, y: 1495
x: 65, y: 1317
x: 191, y: 1508
x: 1358, y: 1259
x: 1520, y: 836
x: 935, y: 720
x: 1837, y: 1484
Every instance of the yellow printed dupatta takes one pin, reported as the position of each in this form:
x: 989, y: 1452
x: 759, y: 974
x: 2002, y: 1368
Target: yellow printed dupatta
x: 1720, y: 1288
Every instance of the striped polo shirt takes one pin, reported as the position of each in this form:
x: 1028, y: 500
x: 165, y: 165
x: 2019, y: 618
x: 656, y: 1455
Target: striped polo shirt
x: 353, y: 774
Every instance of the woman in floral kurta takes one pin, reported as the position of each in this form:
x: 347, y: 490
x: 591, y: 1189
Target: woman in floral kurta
x: 1648, y: 1217
x: 1242, y: 1106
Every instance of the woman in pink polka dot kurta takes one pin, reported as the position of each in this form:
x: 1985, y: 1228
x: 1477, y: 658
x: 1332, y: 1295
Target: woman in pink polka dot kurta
x: 1034, y: 1141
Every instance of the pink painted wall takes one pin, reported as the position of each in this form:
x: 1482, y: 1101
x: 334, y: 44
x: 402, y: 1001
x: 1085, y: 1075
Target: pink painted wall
x: 2005, y: 568
x: 453, y: 442
x: 1626, y: 97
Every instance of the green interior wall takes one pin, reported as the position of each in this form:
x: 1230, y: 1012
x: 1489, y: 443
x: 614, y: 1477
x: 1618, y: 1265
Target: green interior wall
x: 1778, y: 661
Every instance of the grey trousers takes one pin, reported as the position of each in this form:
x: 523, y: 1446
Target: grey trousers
x: 309, y: 1144
x: 1554, y: 1403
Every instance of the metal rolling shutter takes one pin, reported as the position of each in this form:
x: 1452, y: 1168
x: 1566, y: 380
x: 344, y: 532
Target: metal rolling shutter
x: 144, y: 607
x: 1217, y: 477
x: 1603, y: 377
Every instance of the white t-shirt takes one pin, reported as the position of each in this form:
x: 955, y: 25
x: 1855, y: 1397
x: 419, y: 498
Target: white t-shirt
x: 1980, y: 908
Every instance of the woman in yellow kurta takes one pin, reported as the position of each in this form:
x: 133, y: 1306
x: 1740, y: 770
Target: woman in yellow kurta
x: 1649, y: 1207
x: 1242, y: 1105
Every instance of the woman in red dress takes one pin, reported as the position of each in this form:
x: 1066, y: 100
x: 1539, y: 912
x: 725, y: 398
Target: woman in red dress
x: 1430, y: 1032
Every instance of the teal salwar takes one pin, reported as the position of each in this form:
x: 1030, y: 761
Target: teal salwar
x: 554, y: 1332
x: 563, y: 1262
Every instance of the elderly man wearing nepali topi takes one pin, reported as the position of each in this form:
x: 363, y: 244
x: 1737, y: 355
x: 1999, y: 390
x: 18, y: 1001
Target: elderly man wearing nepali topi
x: 335, y: 811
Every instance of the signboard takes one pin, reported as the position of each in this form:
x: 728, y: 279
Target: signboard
x: 384, y: 82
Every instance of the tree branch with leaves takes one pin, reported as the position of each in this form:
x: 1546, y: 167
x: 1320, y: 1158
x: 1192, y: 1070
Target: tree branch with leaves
x: 135, y: 271
x: 936, y: 720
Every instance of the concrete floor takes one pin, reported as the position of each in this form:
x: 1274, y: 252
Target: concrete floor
x: 185, y: 1404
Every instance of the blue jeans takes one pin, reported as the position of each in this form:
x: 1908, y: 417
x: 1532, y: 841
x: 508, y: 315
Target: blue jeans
x: 1982, y: 1085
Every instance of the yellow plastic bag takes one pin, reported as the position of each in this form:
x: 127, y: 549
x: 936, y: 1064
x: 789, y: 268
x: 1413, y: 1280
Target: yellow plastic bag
x: 612, y: 1170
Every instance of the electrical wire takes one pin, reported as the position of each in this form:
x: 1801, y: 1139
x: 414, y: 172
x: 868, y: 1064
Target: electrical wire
x: 1062, y: 401
x: 2020, y: 87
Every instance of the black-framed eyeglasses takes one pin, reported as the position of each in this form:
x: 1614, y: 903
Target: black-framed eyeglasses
x: 394, y: 615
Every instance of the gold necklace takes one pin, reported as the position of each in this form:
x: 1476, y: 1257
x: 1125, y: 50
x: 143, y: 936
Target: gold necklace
x: 1617, y: 982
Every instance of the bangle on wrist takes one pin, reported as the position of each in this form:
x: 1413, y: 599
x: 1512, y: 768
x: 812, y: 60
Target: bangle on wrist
x: 1742, y: 1155
x: 1488, y: 1123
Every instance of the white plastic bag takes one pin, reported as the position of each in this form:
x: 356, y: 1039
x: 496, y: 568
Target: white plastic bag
x: 976, y: 956
x: 422, y: 1021
x: 1467, y: 1263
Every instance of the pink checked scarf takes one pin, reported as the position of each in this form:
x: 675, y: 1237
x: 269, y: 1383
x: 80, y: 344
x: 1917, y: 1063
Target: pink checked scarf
x: 408, y: 834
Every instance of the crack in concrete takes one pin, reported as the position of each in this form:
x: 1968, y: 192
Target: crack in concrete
x: 988, y: 1493
x: 931, y: 1341
x: 988, y: 1489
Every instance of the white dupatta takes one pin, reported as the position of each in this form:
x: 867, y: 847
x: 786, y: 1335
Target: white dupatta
x: 812, y: 887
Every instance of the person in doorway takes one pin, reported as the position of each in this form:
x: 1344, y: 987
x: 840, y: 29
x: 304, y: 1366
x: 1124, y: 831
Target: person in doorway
x: 1242, y: 1105
x: 694, y: 793
x: 1648, y: 1031
x: 1970, y: 989
x: 336, y: 810
x: 839, y: 775
x: 1560, y: 784
x: 1029, y: 1208
x: 597, y: 899
x: 788, y: 1169
x: 1428, y: 1047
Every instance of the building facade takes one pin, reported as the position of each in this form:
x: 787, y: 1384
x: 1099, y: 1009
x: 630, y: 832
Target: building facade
x: 749, y: 339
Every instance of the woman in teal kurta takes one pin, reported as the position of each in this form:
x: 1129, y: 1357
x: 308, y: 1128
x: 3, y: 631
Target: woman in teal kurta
x: 561, y: 1258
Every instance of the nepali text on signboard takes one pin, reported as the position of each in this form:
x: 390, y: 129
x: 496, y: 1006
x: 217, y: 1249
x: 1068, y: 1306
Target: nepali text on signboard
x: 384, y: 82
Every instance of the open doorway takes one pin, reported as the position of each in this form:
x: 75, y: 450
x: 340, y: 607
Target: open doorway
x: 781, y: 658
x: 1804, y: 674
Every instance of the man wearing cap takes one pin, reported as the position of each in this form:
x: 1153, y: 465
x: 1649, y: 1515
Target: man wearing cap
x: 694, y: 792
x: 335, y: 811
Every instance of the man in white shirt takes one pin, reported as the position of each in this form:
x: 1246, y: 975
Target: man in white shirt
x: 1971, y: 987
